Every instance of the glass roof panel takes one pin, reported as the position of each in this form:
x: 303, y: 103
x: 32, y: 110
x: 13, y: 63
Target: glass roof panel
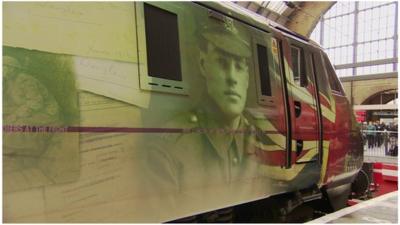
x: 277, y: 6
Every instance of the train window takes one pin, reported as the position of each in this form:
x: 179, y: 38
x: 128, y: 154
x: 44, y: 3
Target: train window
x: 309, y: 67
x: 298, y: 63
x: 320, y: 74
x: 263, y: 49
x: 263, y: 68
x: 162, y: 42
x: 333, y: 80
x: 159, y: 50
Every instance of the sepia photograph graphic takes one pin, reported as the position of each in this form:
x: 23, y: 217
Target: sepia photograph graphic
x: 38, y: 91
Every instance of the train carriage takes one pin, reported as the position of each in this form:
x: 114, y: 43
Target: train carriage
x: 154, y: 112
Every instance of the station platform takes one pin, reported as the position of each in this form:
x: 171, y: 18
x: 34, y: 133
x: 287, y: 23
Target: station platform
x: 382, y: 209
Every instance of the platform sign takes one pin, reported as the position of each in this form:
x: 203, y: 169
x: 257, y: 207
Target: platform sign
x: 361, y: 115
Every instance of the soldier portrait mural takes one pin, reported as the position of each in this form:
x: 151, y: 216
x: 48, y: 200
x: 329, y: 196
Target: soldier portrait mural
x: 215, y: 154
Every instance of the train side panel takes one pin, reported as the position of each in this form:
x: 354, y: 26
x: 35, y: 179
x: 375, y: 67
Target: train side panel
x: 151, y: 112
x: 346, y: 156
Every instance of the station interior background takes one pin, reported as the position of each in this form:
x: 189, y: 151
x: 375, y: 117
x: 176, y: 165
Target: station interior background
x: 361, y: 40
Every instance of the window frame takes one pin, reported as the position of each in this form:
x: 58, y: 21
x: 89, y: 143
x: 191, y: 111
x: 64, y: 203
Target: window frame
x: 303, y: 78
x: 333, y: 79
x: 298, y: 64
x: 263, y: 39
x: 303, y: 73
x: 324, y: 87
x: 148, y: 82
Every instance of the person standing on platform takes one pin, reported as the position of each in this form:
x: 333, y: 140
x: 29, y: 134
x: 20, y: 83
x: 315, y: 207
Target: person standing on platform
x: 371, y: 134
x: 385, y: 135
x: 379, y: 137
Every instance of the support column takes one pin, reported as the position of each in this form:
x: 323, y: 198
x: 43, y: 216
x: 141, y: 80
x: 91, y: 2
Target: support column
x: 396, y: 23
x: 355, y: 42
x: 321, y: 36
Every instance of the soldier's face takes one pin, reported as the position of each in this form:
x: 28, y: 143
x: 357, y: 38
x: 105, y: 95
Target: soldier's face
x: 227, y: 79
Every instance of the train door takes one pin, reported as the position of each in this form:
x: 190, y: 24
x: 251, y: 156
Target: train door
x: 305, y: 129
x: 264, y: 106
x: 326, y: 107
x: 340, y: 142
x: 304, y: 154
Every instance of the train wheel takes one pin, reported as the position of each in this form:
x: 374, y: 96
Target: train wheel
x: 361, y: 184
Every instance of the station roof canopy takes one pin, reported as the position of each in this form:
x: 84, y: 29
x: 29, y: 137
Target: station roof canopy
x: 297, y: 16
x: 277, y: 11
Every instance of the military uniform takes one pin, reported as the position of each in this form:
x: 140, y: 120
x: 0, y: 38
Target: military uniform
x: 193, y: 160
x: 204, y: 168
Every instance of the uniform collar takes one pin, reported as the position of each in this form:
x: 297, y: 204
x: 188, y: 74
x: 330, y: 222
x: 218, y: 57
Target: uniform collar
x: 235, y: 140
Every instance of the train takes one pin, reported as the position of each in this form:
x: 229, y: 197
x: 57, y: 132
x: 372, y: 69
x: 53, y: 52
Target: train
x: 169, y: 111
